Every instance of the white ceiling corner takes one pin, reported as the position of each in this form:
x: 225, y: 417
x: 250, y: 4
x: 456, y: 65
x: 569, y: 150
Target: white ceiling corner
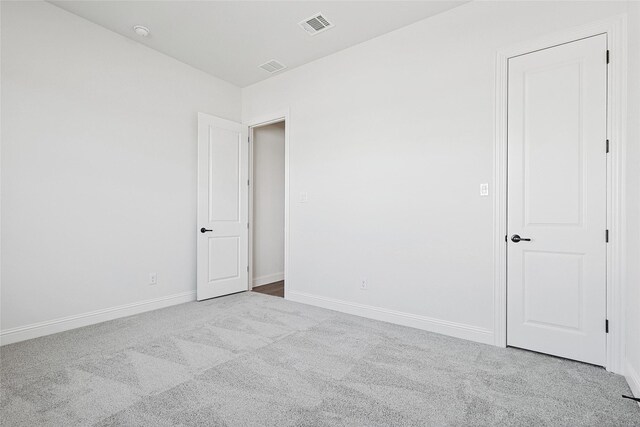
x: 231, y: 39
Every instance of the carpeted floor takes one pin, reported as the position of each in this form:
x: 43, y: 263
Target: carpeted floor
x: 252, y: 360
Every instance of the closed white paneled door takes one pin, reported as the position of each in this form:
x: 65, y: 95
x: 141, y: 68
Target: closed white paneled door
x: 556, y: 281
x: 223, y: 245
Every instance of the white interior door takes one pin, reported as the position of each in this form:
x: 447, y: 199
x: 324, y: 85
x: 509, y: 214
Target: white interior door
x: 223, y: 245
x: 556, y: 282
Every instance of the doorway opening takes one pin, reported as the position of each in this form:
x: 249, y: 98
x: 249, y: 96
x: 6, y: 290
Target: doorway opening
x: 267, y: 208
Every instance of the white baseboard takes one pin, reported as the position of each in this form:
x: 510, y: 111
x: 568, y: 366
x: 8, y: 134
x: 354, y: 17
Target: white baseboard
x: 265, y: 280
x: 458, y: 330
x: 71, y: 322
x: 633, y: 378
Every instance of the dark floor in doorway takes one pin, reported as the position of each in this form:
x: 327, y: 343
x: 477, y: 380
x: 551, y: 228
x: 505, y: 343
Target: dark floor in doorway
x: 275, y: 289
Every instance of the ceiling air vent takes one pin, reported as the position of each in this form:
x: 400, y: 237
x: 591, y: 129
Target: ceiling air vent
x: 315, y: 24
x: 273, y: 66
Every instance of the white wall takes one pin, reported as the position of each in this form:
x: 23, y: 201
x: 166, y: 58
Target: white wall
x: 268, y: 204
x: 633, y: 204
x: 98, y: 169
x: 391, y: 139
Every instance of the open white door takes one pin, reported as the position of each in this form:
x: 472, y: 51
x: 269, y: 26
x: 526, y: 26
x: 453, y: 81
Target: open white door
x: 557, y: 200
x: 223, y: 237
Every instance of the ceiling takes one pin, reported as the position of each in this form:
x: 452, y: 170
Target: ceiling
x: 230, y: 39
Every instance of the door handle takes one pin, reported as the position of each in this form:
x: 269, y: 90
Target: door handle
x: 204, y: 230
x: 515, y: 239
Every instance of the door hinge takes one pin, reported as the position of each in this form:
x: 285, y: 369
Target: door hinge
x: 606, y: 236
x: 247, y: 226
x: 247, y: 268
x: 607, y: 145
x: 606, y: 326
x: 505, y: 237
x: 607, y: 152
x: 607, y: 56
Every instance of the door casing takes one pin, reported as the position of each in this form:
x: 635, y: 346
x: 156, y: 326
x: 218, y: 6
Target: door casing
x: 616, y: 30
x: 281, y: 116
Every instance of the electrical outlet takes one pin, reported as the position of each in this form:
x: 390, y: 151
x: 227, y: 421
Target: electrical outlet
x: 304, y: 197
x: 363, y: 284
x: 484, y: 189
x: 153, y: 278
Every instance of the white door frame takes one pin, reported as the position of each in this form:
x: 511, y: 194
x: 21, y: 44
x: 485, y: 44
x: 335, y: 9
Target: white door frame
x: 616, y: 30
x: 254, y: 123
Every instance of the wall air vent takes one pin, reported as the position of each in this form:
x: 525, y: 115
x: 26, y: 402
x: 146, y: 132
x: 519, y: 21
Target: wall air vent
x: 315, y: 24
x: 273, y: 66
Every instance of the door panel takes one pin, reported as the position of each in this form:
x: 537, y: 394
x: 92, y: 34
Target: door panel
x: 225, y: 251
x: 552, y: 136
x: 556, y: 283
x: 558, y: 274
x: 224, y: 175
x: 222, y: 207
